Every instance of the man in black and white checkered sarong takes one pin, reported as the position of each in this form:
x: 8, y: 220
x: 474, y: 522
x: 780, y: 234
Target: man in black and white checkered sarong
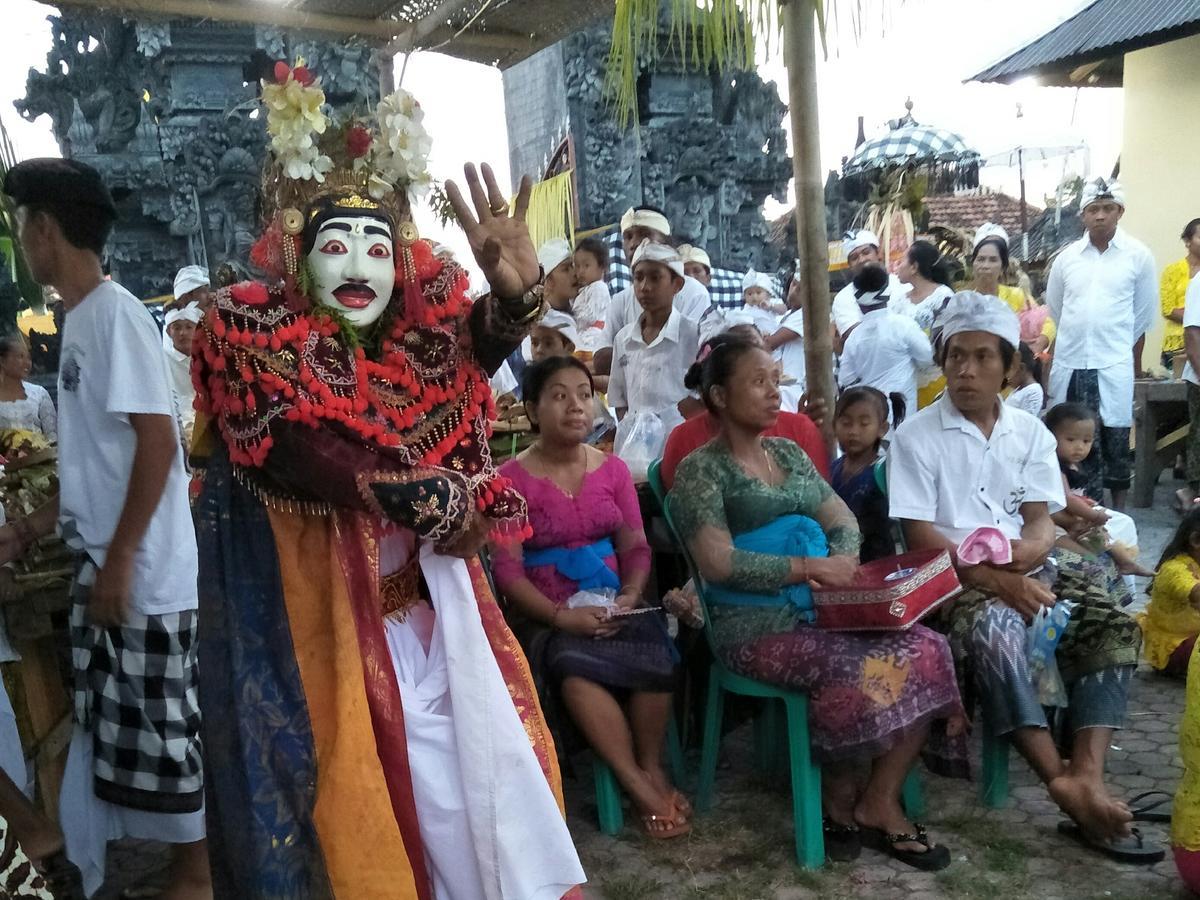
x: 136, y: 695
x: 134, y: 762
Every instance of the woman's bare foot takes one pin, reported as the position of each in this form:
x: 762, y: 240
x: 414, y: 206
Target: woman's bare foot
x: 1089, y: 804
x: 658, y: 777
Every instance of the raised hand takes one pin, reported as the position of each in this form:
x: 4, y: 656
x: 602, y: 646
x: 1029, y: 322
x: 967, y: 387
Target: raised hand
x: 499, y: 241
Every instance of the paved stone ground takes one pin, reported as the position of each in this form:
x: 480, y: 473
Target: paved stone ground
x: 743, y: 848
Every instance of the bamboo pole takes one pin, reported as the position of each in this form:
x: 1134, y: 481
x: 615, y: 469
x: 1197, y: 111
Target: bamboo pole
x: 800, y: 56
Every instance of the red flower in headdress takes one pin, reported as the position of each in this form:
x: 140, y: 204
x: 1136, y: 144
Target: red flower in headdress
x: 300, y: 73
x: 358, y: 141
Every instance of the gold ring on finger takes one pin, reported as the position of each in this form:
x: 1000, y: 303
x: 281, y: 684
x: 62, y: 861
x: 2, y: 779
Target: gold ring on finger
x: 500, y: 209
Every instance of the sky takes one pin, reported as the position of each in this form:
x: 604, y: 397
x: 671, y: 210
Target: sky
x: 916, y: 49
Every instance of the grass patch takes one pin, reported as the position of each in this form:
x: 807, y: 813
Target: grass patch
x: 631, y: 887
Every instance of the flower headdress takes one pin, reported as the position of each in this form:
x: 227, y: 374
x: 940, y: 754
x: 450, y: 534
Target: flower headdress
x: 373, y: 162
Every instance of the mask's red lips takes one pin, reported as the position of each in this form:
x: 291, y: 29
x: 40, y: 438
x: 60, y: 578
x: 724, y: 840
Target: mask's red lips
x: 354, y: 296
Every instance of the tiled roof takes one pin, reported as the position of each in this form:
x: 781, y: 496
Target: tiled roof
x: 972, y: 210
x: 1103, y: 29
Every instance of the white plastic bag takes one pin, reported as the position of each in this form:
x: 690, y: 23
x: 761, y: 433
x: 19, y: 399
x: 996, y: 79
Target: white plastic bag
x: 640, y: 441
x: 605, y: 597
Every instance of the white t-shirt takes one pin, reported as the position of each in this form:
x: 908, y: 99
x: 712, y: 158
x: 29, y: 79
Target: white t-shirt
x: 650, y: 376
x: 1191, y: 319
x: 113, y: 365
x: 692, y: 301
x: 590, y: 310
x: 1030, y: 398
x: 791, y: 354
x: 886, y: 351
x: 941, y: 469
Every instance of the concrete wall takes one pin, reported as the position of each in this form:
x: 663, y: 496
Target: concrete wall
x: 1160, y: 152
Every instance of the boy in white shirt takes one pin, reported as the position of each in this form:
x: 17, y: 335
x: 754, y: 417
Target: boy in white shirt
x: 652, y: 353
x: 134, y: 767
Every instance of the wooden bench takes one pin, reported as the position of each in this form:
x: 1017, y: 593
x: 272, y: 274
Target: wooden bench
x: 1154, y: 404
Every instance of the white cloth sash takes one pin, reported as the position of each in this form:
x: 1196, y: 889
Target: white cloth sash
x: 476, y: 779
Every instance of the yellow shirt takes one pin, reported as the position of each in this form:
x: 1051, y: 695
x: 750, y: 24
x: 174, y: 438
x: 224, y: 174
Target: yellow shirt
x: 1171, y: 291
x: 1170, y: 619
x: 1017, y: 301
x: 1185, y: 818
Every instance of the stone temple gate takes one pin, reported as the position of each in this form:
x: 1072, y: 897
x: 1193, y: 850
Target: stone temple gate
x: 706, y: 148
x: 167, y: 112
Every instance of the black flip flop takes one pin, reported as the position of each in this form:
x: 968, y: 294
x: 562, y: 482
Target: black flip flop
x: 933, y: 858
x: 842, y: 842
x: 1146, y: 810
x: 1131, y: 849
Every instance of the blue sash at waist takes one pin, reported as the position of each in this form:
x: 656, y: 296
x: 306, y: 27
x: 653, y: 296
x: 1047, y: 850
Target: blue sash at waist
x: 786, y: 536
x: 584, y: 565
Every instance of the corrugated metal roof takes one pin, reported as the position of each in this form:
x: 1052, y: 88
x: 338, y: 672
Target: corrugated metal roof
x: 1101, y: 30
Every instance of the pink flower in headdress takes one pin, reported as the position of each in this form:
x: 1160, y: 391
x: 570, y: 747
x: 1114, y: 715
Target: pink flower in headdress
x: 358, y: 141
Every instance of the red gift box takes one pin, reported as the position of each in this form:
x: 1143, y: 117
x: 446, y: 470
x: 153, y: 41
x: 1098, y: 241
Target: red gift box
x: 890, y: 594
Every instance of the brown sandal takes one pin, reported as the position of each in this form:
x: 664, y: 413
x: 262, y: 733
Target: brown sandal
x: 677, y: 827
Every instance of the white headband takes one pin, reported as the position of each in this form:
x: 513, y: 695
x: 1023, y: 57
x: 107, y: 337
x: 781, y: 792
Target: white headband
x: 553, y: 253
x: 562, y: 323
x: 651, y: 251
x: 189, y: 278
x: 691, y: 254
x: 973, y: 311
x: 1102, y: 189
x: 645, y: 218
x: 855, y: 240
x: 190, y: 313
x: 989, y: 230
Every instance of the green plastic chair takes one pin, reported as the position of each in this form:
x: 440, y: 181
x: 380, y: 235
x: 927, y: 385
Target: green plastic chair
x: 608, y: 789
x: 805, y: 772
x: 993, y: 785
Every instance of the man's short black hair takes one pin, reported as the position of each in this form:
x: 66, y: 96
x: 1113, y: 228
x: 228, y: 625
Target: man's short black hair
x: 71, y: 193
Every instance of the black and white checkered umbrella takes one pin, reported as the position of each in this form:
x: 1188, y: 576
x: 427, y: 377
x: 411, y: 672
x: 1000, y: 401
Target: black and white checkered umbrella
x: 911, y: 143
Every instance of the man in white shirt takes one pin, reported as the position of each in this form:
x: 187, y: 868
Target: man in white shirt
x: 1191, y: 345
x: 134, y: 766
x: 969, y: 461
x: 640, y: 224
x: 192, y: 287
x: 652, y: 353
x: 1103, y: 295
x: 862, y: 249
x: 178, y: 331
x: 786, y: 343
x: 886, y: 349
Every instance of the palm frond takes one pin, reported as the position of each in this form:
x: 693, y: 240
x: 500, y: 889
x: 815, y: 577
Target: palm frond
x: 724, y: 34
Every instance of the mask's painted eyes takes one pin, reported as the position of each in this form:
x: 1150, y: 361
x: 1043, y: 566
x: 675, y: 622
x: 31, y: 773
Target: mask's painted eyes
x: 380, y: 251
x: 333, y: 246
